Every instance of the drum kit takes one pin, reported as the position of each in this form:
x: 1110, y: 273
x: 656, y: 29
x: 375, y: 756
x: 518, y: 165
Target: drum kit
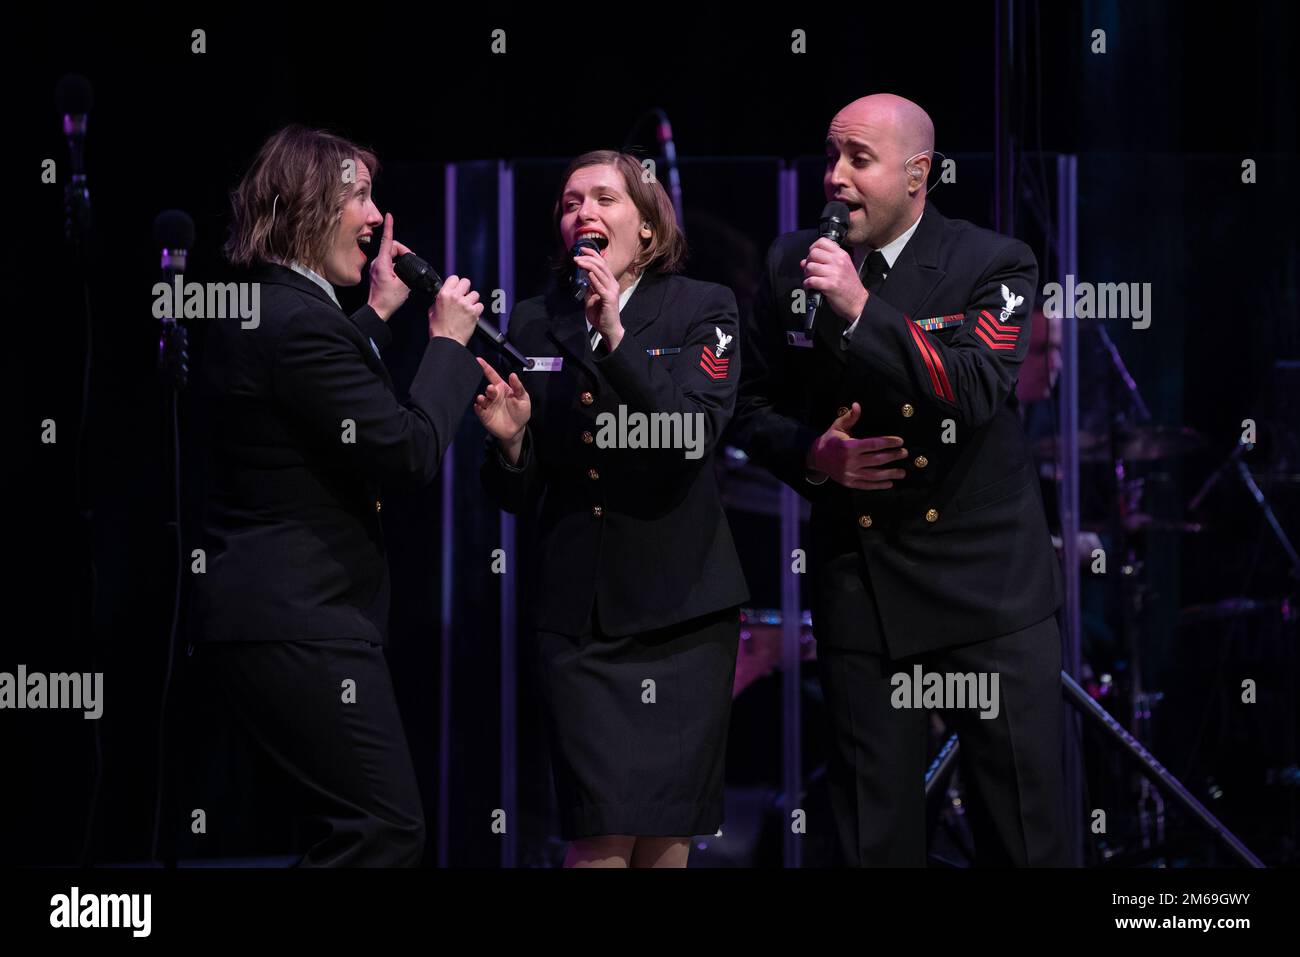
x: 1136, y: 462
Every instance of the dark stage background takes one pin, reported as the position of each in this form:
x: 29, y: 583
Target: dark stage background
x: 1161, y: 123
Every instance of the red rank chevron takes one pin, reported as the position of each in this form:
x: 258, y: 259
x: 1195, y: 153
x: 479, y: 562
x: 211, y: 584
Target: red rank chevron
x: 715, y: 368
x: 995, y: 335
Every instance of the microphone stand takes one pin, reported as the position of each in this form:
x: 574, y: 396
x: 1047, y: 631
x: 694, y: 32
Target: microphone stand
x: 78, y: 238
x: 1234, y: 462
x: 664, y: 134
x: 173, y: 371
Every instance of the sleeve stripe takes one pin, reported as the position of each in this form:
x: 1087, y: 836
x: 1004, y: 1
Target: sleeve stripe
x: 925, y: 356
x: 943, y: 375
x: 938, y: 376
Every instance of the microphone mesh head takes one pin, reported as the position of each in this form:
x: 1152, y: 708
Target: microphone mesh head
x: 73, y: 95
x: 594, y: 243
x: 173, y: 229
x: 836, y: 212
x: 835, y: 220
x: 416, y: 273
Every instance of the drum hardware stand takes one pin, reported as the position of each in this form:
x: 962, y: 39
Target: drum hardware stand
x: 1157, y: 778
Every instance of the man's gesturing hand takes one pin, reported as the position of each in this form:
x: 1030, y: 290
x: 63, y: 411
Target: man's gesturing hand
x: 856, y: 463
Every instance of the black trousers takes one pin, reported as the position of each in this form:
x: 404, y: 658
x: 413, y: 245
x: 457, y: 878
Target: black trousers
x: 1011, y: 763
x: 341, y: 745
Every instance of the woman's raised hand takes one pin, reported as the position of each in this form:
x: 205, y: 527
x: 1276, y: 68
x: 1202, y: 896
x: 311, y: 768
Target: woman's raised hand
x: 503, y: 407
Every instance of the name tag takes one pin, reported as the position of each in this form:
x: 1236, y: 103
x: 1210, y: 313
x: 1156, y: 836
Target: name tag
x: 545, y: 363
x: 665, y: 351
x: 800, y: 340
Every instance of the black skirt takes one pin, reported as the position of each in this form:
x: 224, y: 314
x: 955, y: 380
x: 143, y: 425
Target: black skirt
x: 638, y: 726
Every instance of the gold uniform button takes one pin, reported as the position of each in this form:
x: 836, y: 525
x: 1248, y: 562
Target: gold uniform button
x: 920, y: 461
x: 379, y: 506
x: 586, y: 398
x: 907, y: 410
x: 593, y: 474
x: 864, y: 521
x: 843, y: 410
x: 932, y: 515
x: 588, y: 438
x: 597, y: 511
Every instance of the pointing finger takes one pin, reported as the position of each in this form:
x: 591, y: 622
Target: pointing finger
x: 386, y: 239
x: 488, y: 371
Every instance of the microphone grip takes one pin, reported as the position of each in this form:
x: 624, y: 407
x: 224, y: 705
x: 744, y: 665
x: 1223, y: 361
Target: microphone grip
x: 499, y: 340
x: 418, y: 274
x: 814, y: 303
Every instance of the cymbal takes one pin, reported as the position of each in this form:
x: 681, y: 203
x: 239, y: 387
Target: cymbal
x: 1146, y: 443
x: 1142, y: 522
x: 1273, y: 479
x: 1049, y: 447
x: 1142, y: 443
x: 1227, y: 608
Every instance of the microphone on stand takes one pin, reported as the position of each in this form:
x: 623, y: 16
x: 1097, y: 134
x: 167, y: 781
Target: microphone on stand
x: 173, y: 232
x: 419, y: 276
x: 664, y: 130
x: 74, y: 96
x: 664, y: 135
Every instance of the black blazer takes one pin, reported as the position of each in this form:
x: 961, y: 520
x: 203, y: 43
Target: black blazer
x: 638, y: 533
x: 291, y: 523
x: 959, y: 550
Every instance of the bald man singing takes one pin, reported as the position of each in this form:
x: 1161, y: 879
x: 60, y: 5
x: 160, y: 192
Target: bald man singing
x: 934, y: 582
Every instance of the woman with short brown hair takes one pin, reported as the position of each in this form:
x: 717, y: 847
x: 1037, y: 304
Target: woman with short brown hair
x: 291, y: 612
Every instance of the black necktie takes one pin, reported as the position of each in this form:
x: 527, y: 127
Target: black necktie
x: 877, y: 268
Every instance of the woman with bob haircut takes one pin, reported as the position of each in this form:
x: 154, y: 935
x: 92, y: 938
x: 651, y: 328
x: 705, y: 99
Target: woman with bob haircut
x: 291, y: 613
x: 639, y: 582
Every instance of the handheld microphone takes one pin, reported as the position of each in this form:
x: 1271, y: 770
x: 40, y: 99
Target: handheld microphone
x: 419, y: 276
x: 834, y: 226
x: 582, y: 281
